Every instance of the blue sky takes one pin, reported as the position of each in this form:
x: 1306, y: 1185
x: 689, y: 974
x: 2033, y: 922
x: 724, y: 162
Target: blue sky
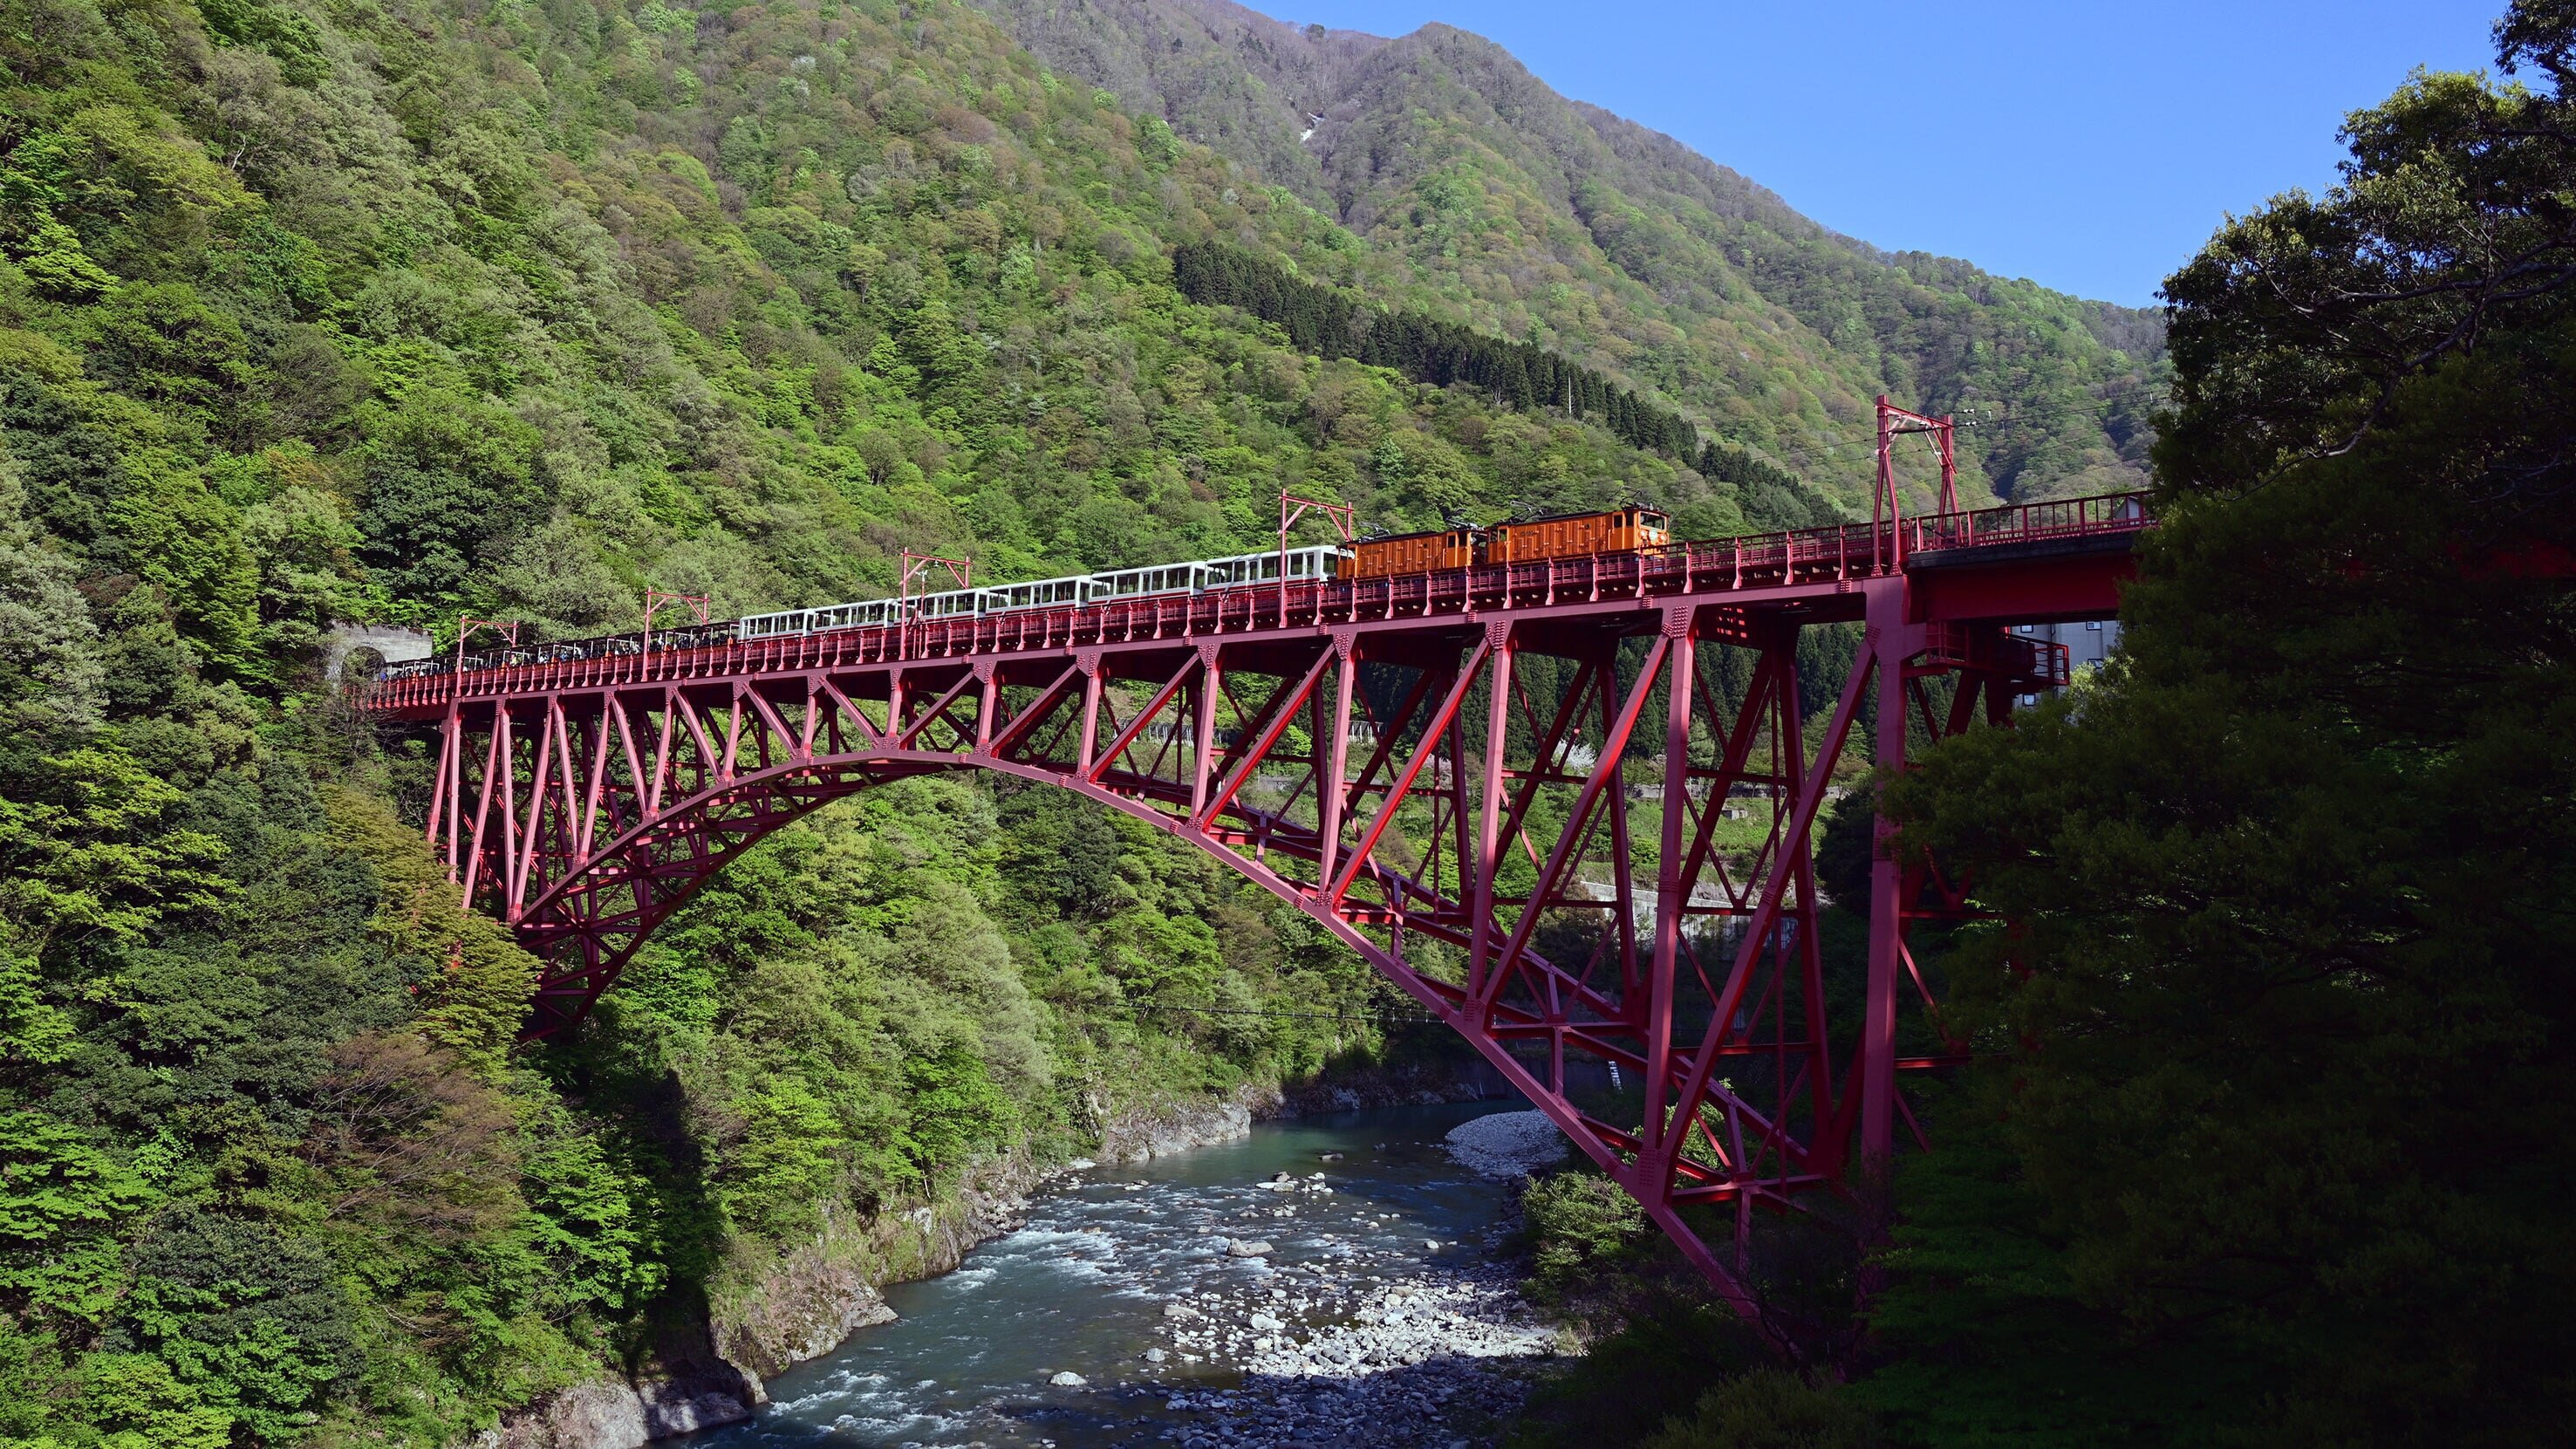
x: 2090, y: 146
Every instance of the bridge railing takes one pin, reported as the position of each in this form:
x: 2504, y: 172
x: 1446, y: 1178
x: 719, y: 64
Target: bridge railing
x: 1801, y: 556
x: 2059, y: 518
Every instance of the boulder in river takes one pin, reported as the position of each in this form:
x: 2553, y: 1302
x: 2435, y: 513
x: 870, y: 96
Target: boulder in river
x: 1068, y: 1380
x: 1505, y: 1145
x: 1246, y: 1248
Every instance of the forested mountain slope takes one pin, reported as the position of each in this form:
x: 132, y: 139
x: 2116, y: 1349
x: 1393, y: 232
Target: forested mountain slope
x: 314, y: 313
x: 738, y: 302
x: 1488, y: 195
x: 391, y: 310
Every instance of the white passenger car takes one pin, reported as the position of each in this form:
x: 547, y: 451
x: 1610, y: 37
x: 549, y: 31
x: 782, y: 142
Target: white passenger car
x: 1314, y: 562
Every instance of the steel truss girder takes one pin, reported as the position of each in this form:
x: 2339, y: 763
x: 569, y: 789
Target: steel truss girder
x: 1476, y: 826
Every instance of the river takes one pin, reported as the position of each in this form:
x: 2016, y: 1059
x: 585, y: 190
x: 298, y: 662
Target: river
x: 1377, y: 1315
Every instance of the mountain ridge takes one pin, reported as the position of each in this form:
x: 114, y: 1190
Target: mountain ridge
x: 1489, y: 197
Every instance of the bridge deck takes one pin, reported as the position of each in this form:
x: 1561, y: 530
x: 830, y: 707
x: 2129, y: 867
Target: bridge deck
x: 2030, y: 562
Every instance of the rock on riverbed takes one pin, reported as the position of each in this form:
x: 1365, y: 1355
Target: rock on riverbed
x: 1506, y: 1145
x: 1425, y: 1360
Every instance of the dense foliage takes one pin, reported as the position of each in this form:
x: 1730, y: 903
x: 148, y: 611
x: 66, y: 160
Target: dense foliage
x: 1528, y: 379
x: 2278, y: 1143
x: 377, y: 314
x: 2270, y: 1141
x: 1331, y: 323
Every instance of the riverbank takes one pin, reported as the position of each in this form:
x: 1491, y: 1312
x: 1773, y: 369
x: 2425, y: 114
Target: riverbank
x: 1204, y: 1294
x: 765, y: 1318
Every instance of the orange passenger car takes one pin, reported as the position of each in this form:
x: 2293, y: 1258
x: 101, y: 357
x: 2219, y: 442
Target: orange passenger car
x: 1412, y: 553
x: 1617, y: 531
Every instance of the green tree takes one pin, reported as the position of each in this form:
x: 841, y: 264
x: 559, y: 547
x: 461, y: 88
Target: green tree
x: 445, y: 473
x: 1578, y: 1222
x: 1769, y: 1409
x: 2284, y: 1016
x: 61, y: 1200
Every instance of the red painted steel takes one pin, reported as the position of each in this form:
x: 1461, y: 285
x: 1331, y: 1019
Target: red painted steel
x: 1895, y: 422
x: 1344, y: 518
x: 1486, y: 847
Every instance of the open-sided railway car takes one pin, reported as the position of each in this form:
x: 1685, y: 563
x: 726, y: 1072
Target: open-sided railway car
x: 1617, y: 531
x: 872, y: 614
x: 1311, y: 562
x: 1039, y: 594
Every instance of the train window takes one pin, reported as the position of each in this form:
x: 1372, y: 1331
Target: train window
x: 1036, y: 594
x: 1154, y: 579
x: 872, y: 614
x: 1218, y: 573
x: 1314, y: 561
x: 1254, y: 568
x: 771, y: 626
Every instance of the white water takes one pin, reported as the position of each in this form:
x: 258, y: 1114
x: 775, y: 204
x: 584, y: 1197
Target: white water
x: 1081, y: 1288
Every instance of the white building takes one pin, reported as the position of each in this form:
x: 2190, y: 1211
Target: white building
x: 2087, y: 644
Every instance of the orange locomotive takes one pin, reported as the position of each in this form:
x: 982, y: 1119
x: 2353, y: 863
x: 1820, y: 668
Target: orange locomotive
x: 1621, y: 530
x: 1413, y: 553
x: 1564, y: 535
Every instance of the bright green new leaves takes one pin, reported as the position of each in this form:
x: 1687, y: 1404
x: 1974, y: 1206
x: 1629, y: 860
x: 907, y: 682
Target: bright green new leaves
x: 254, y: 1319
x: 1578, y: 1222
x: 590, y: 1221
x: 137, y: 1401
x: 62, y: 1199
x: 80, y: 849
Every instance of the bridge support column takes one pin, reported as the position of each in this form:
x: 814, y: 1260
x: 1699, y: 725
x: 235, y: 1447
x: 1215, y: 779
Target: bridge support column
x: 1673, y: 878
x: 1333, y: 742
x: 1088, y: 661
x: 1490, y: 807
x: 1203, y: 754
x: 1891, y: 641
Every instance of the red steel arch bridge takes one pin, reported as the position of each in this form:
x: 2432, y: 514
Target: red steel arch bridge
x: 1566, y: 806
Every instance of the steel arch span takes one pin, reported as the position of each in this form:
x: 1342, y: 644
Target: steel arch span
x: 1568, y: 809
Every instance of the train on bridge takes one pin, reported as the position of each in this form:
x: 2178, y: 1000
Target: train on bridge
x: 1555, y: 536
x: 582, y: 791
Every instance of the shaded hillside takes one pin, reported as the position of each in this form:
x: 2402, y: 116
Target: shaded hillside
x: 1488, y: 196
